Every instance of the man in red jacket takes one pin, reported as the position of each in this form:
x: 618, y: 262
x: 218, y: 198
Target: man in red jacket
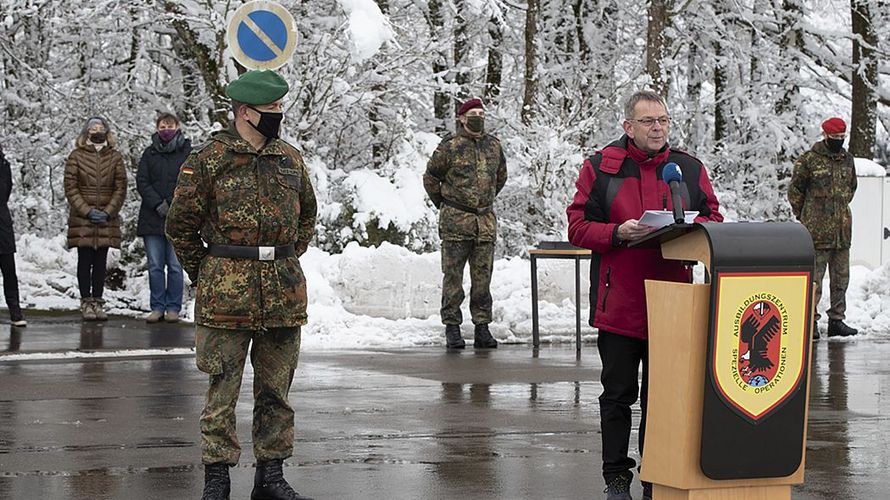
x: 615, y: 187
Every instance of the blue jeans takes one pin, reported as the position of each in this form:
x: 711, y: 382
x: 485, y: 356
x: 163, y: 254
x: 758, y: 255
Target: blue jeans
x: 166, y: 291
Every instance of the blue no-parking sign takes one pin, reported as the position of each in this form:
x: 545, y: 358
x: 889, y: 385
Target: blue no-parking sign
x: 262, y: 35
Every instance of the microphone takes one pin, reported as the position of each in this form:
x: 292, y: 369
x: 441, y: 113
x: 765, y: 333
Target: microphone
x: 673, y: 176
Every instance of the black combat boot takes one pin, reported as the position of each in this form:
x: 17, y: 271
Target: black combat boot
x: 216, y: 482
x: 269, y: 483
x: 453, y: 338
x: 483, y: 338
x: 837, y: 328
x: 816, y: 334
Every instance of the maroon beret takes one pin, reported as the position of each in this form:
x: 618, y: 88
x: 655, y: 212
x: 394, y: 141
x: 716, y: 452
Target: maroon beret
x: 472, y: 103
x: 834, y: 125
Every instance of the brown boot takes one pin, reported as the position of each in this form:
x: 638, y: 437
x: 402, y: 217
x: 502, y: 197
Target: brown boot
x: 99, y: 310
x: 86, y: 309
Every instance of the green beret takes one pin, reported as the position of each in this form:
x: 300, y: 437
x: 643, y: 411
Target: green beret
x: 257, y: 87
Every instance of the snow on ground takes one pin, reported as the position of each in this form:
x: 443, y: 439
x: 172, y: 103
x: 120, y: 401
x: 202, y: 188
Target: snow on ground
x: 868, y: 168
x: 389, y: 297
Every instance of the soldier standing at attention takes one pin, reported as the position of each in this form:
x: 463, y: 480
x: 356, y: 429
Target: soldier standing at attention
x: 822, y: 187
x: 463, y: 177
x: 247, y: 195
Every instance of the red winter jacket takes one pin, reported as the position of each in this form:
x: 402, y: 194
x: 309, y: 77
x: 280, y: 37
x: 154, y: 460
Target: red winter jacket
x: 615, y: 185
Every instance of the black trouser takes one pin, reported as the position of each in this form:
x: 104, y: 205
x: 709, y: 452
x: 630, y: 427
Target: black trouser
x: 621, y: 357
x: 91, y: 271
x: 10, y: 283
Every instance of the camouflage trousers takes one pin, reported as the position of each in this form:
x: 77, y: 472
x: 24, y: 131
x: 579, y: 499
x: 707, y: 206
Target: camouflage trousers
x: 221, y: 354
x: 455, y: 255
x: 838, y: 262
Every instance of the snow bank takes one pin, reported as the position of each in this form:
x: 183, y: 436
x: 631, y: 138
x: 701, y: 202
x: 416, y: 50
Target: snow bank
x: 389, y: 296
x: 868, y: 168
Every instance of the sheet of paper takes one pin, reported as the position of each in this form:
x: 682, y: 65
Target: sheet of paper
x: 657, y: 219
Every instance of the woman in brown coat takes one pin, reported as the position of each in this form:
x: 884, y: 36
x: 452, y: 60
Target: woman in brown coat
x: 95, y: 186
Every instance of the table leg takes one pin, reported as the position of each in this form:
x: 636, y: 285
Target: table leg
x: 535, y: 340
x: 578, y: 304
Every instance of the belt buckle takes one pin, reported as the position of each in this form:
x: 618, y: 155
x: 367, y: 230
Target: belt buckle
x: 267, y: 253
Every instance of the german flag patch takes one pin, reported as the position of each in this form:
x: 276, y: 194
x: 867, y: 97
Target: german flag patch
x: 187, y: 170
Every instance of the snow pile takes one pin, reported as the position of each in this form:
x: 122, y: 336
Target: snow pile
x: 368, y: 27
x: 868, y: 168
x: 389, y: 297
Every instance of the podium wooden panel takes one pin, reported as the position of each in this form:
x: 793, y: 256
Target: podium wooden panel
x: 678, y: 328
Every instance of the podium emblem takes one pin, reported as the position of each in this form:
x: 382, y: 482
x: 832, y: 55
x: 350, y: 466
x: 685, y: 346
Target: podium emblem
x: 760, y: 340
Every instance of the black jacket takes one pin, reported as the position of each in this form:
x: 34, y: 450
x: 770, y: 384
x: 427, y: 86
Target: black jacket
x: 156, y: 180
x: 7, y: 236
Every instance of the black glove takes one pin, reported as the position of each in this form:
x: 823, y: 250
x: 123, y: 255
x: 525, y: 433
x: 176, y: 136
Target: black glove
x: 97, y: 216
x: 163, y: 208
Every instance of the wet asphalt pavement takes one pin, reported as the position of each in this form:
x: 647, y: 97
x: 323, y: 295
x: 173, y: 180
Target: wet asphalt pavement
x: 416, y: 423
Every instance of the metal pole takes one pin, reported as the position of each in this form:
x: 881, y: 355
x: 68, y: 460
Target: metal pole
x: 535, y: 340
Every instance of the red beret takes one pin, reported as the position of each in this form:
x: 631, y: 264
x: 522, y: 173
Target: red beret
x: 834, y: 125
x: 472, y: 103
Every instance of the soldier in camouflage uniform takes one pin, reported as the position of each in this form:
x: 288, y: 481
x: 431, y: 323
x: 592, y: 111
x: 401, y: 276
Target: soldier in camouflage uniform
x: 821, y: 189
x: 463, y: 177
x: 247, y: 195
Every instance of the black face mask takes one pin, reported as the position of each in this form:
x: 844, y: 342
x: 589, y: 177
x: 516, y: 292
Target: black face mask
x: 269, y: 125
x: 98, y: 137
x: 476, y: 124
x: 834, y: 145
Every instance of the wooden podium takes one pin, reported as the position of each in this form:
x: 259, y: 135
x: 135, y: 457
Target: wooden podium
x: 709, y: 434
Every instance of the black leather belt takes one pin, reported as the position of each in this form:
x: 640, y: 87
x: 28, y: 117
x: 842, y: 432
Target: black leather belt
x: 464, y: 208
x: 253, y: 253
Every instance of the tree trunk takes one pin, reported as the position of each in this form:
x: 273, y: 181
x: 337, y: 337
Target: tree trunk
x: 790, y: 46
x: 865, y: 73
x: 440, y: 65
x: 531, y: 32
x: 495, y: 64
x: 205, y: 60
x: 377, y: 123
x: 720, y: 94
x: 461, y: 46
x: 656, y: 44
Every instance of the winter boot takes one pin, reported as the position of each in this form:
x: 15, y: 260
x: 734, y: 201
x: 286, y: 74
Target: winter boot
x: 816, y: 335
x: 99, y: 309
x: 483, y: 338
x: 216, y: 482
x: 16, y: 318
x: 837, y: 328
x: 618, y: 488
x: 269, y: 483
x: 453, y: 338
x: 86, y: 309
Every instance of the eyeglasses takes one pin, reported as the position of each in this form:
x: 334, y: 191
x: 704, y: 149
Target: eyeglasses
x: 649, y: 122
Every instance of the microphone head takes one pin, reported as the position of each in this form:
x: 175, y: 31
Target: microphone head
x: 671, y: 173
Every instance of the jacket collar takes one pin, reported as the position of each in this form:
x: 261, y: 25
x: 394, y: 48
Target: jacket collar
x: 614, y: 155
x: 233, y: 140
x: 821, y: 149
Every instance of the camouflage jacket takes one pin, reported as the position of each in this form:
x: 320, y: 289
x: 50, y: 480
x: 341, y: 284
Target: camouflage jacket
x: 822, y: 186
x: 471, y: 172
x: 228, y: 193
